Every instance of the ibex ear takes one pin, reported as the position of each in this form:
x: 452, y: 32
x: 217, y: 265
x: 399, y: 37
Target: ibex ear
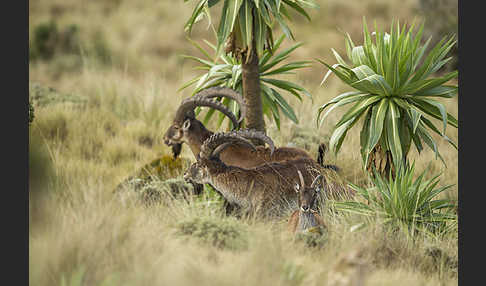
x: 186, y: 124
x: 297, y: 188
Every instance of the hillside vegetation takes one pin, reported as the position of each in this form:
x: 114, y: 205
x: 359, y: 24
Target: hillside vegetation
x: 104, y: 79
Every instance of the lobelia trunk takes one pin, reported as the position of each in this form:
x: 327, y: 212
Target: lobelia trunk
x: 382, y: 161
x: 252, y: 91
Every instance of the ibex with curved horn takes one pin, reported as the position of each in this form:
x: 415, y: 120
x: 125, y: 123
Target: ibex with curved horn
x: 266, y: 189
x: 174, y: 135
x: 306, y: 217
x: 186, y: 128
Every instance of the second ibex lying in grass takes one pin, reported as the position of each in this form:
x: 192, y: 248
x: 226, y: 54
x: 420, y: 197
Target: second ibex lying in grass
x: 267, y: 189
x: 306, y: 218
x: 186, y: 128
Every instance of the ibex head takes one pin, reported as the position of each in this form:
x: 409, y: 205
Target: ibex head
x: 186, y: 117
x: 307, y: 195
x: 197, y: 173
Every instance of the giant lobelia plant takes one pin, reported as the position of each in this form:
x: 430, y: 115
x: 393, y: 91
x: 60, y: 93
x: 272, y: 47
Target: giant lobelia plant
x: 395, y: 93
x: 226, y: 70
x: 245, y: 31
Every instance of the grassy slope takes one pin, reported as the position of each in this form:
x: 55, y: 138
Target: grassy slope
x: 75, y: 222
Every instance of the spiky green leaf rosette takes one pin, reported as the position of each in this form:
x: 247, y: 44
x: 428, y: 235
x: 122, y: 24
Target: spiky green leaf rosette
x: 226, y: 70
x: 395, y: 92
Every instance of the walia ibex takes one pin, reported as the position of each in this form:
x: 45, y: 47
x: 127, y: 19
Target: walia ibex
x: 306, y: 218
x: 266, y: 189
x: 186, y: 128
x: 174, y: 135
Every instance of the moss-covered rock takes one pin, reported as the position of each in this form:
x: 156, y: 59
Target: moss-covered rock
x: 153, y: 191
x: 164, y: 167
x: 160, y: 179
x: 160, y: 169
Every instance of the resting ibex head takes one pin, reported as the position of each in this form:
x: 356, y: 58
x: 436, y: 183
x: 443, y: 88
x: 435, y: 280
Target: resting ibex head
x: 197, y: 173
x: 307, y: 195
x: 174, y: 135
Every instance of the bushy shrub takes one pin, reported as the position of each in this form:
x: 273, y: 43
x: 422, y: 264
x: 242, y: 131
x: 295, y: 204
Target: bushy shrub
x: 223, y: 233
x: 48, y: 40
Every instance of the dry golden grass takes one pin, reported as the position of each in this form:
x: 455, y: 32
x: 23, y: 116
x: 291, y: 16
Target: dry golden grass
x: 77, y: 224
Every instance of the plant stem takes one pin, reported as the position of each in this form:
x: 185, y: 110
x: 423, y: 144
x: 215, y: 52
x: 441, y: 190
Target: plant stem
x: 252, y: 91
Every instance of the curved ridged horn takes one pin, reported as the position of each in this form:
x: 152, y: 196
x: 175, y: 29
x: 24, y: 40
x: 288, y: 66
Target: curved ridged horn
x: 203, y: 98
x: 186, y: 109
x: 316, y: 181
x: 218, y: 141
x: 301, y: 179
x: 220, y: 91
x: 255, y: 134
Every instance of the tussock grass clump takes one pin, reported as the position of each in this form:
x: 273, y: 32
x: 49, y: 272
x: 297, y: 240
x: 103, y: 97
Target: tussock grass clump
x: 49, y: 40
x: 222, y: 233
x: 154, y: 191
x: 42, y: 95
x: 314, y: 239
x: 394, y: 252
x: 406, y: 204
